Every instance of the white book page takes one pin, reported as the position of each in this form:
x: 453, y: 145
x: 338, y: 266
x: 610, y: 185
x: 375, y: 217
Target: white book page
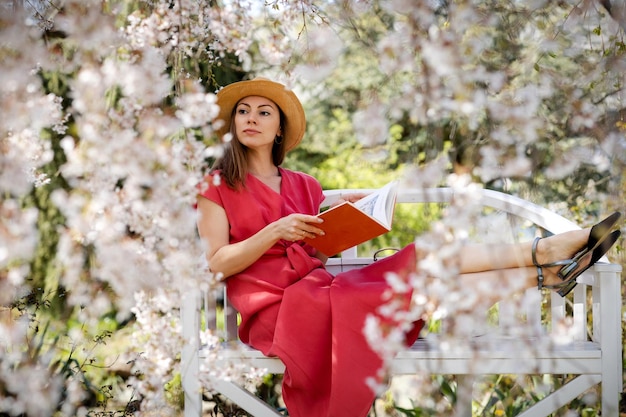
x: 379, y: 204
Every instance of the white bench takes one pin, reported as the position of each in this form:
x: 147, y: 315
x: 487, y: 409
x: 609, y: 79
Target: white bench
x: 595, y: 355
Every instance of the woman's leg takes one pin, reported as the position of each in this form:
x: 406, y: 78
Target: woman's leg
x: 481, y: 258
x: 489, y: 287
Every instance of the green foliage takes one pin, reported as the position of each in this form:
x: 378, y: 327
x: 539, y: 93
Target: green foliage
x: 410, y: 220
x: 509, y: 395
x: 444, y: 390
x: 72, y: 351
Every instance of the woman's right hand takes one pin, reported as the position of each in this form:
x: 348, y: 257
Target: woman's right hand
x: 298, y: 226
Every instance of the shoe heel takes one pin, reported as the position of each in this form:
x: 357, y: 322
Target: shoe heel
x: 598, y: 253
x: 567, y: 288
x: 567, y: 269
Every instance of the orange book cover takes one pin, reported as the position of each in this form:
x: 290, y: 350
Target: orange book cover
x: 347, y: 225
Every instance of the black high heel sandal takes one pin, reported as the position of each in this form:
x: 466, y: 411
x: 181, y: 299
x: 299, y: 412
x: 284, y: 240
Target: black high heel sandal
x: 601, y: 239
x: 598, y: 253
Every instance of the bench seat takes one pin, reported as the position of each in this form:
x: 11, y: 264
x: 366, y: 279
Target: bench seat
x: 495, y: 355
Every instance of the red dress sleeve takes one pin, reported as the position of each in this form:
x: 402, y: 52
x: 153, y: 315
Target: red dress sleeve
x: 209, y: 188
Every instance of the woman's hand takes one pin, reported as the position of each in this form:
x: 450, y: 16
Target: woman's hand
x: 353, y: 198
x: 298, y: 226
x: 231, y: 258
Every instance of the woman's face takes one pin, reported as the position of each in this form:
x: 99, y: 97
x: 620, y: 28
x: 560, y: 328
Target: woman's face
x: 257, y: 122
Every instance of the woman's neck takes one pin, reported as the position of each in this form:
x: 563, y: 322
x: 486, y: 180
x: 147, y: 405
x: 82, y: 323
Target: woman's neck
x: 264, y: 170
x: 269, y: 175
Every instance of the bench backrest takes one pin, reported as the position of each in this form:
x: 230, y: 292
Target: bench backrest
x: 541, y: 217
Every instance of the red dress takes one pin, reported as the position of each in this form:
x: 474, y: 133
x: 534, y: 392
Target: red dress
x: 293, y: 308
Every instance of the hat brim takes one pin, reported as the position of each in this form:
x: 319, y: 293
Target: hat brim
x: 295, y: 119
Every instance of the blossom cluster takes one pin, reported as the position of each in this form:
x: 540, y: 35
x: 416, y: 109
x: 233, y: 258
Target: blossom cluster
x: 130, y: 163
x: 133, y: 124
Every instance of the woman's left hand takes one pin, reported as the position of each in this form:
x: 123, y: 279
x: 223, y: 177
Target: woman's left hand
x: 352, y: 197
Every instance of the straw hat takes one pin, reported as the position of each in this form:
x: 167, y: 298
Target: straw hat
x: 295, y: 120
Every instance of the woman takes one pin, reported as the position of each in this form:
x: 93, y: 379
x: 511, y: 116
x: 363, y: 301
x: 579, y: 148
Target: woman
x: 253, y: 217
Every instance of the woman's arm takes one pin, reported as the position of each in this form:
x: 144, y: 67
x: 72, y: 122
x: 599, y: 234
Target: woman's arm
x: 229, y: 259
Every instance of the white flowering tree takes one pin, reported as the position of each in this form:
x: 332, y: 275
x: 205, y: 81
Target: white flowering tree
x: 106, y: 125
x: 522, y: 97
x: 102, y: 144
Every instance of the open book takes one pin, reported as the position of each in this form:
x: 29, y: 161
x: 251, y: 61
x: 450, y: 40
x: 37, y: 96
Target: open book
x: 349, y: 224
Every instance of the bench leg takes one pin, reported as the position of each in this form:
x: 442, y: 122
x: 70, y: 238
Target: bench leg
x: 244, y: 399
x: 191, y: 390
x: 190, y: 361
x: 562, y: 396
x: 609, y: 331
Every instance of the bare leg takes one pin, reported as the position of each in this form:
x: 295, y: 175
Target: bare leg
x: 495, y: 285
x: 497, y: 271
x: 481, y: 258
